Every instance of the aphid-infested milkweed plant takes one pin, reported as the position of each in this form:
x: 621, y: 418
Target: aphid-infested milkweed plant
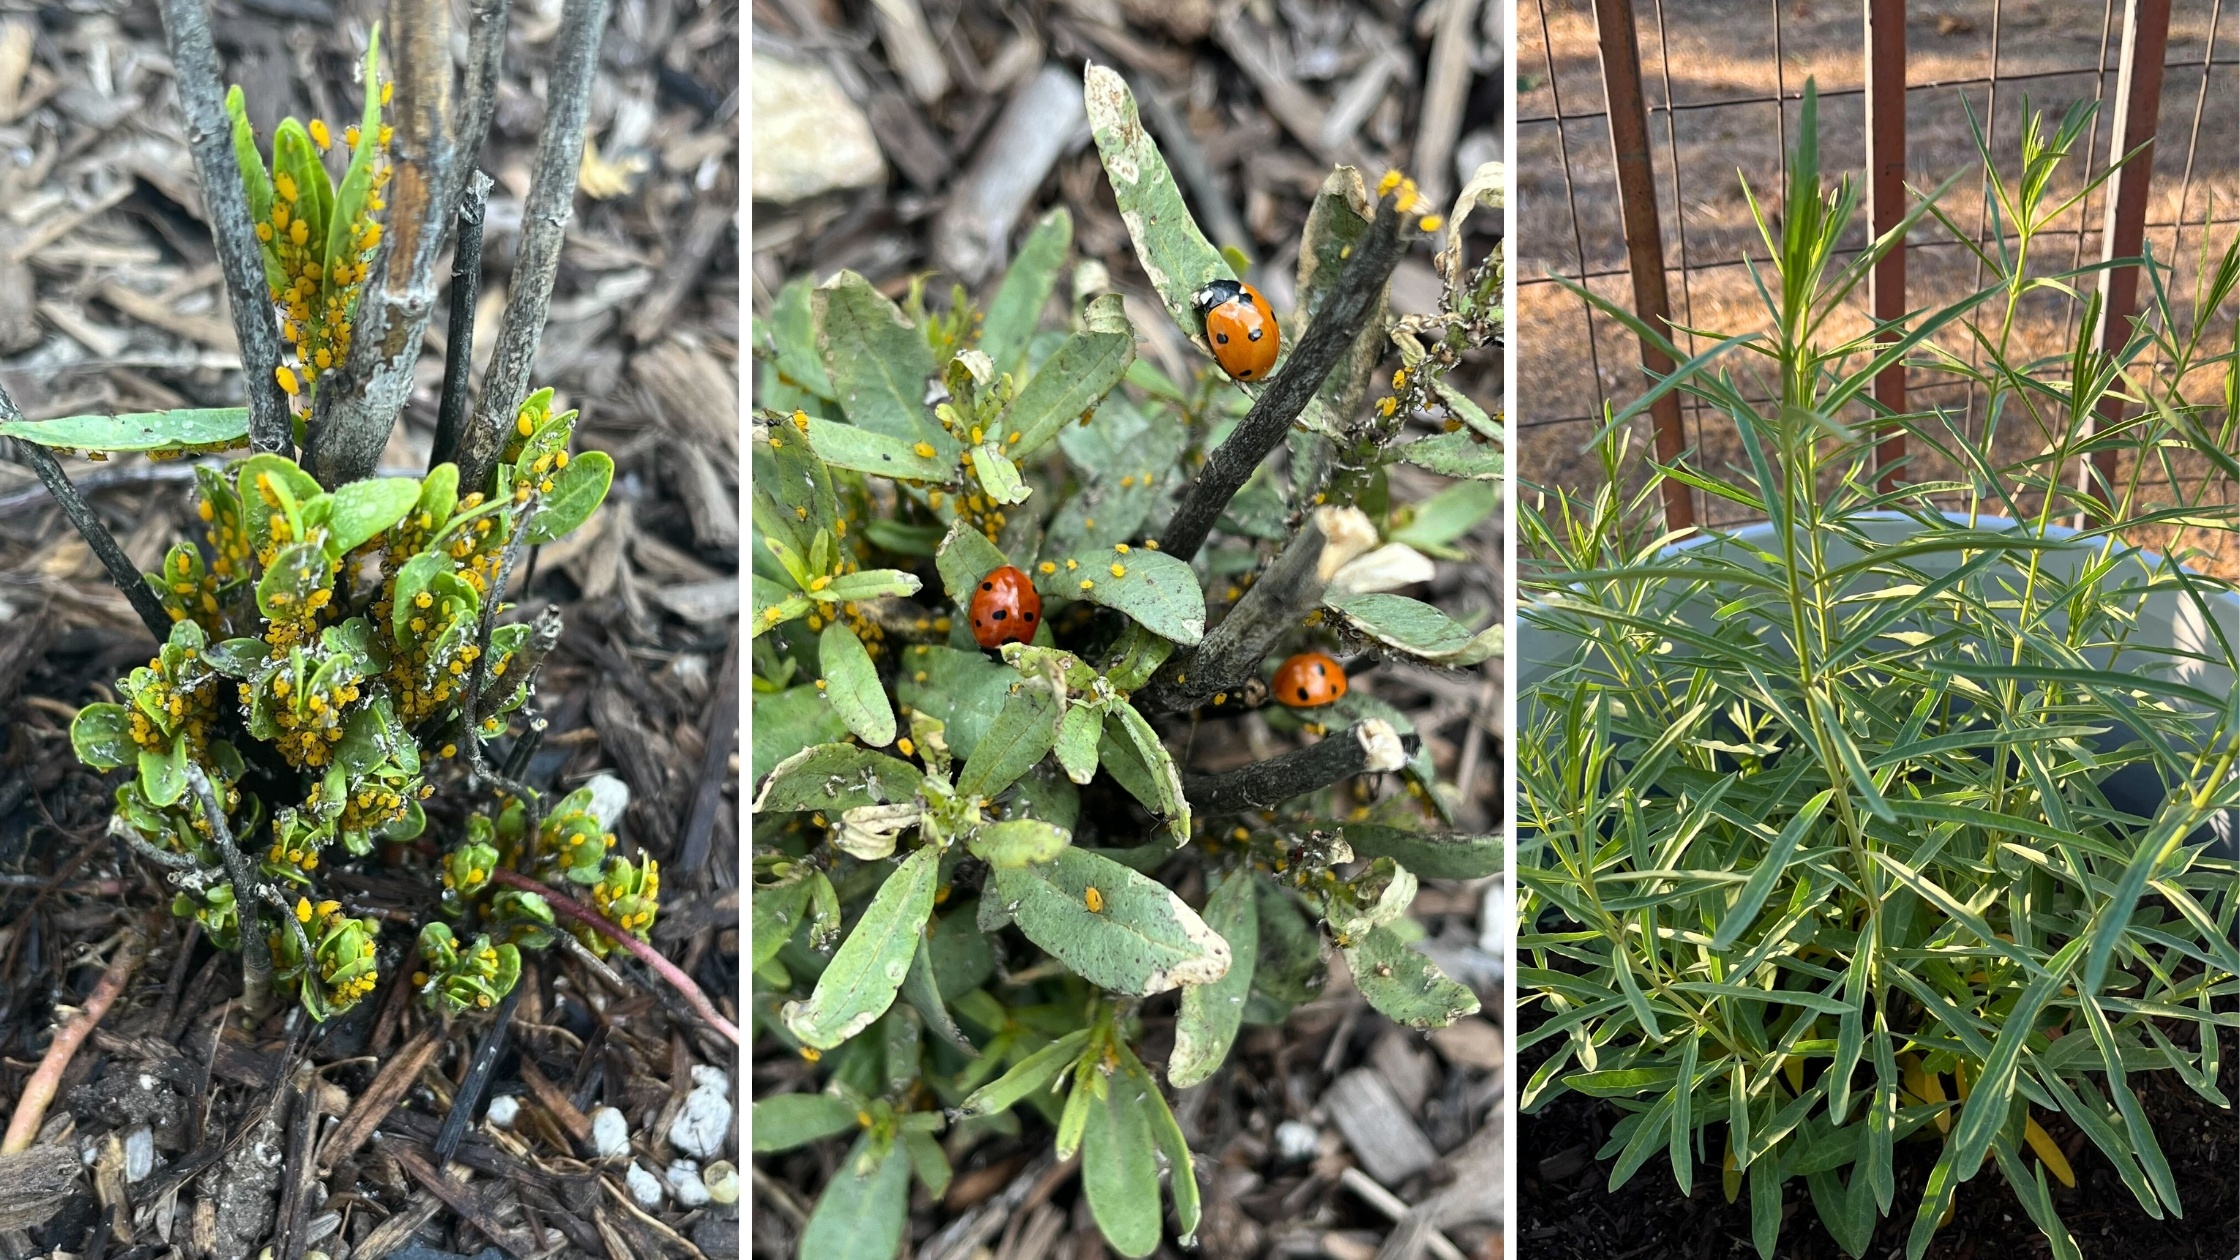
x: 333, y: 650
x: 1898, y: 819
x: 995, y: 838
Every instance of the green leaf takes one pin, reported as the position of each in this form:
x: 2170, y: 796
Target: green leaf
x: 1462, y: 453
x: 1070, y: 382
x: 777, y: 915
x: 774, y: 605
x: 864, y: 1208
x: 1207, y: 1025
x: 1034, y: 1072
x: 1430, y: 856
x: 1172, y: 251
x: 256, y: 182
x: 101, y: 735
x: 346, y: 203
x: 1120, y: 1164
x: 1338, y: 220
x: 184, y: 430
x: 852, y: 684
x: 1752, y: 898
x: 297, y: 570
x: 1416, y: 628
x: 836, y: 777
x: 1408, y: 988
x: 1017, y: 306
x: 871, y: 584
x: 922, y: 989
x: 363, y: 509
x: 1141, y: 940
x: 928, y: 1161
x: 879, y: 362
x: 962, y: 690
x: 790, y: 1120
x: 260, y: 472
x: 793, y: 327
x: 998, y: 476
x: 1448, y: 515
x: 1466, y: 409
x: 797, y: 717
x: 1131, y: 751
x: 963, y: 559
x: 1182, y: 1176
x: 577, y: 491
x: 884, y: 455
x: 1019, y: 842
x: 1158, y: 591
x: 1021, y: 733
x: 859, y: 984
x: 1076, y: 747
x: 163, y: 776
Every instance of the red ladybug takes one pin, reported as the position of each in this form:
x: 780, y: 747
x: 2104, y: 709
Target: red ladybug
x: 1309, y: 680
x: 1240, y: 326
x: 1005, y: 608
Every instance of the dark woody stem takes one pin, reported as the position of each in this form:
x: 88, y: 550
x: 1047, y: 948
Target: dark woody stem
x: 122, y: 571
x: 1265, y: 784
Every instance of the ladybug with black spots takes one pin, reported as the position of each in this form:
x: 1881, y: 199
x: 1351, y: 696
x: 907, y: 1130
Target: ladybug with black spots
x: 1309, y: 680
x: 1241, y: 328
x: 1005, y: 608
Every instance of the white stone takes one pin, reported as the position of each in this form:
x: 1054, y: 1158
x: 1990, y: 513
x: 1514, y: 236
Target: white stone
x: 644, y: 1186
x: 609, y: 797
x: 610, y: 1133
x: 684, y: 1181
x: 1296, y: 1141
x: 139, y: 1154
x: 705, y: 1076
x: 503, y: 1110
x: 702, y: 1124
x: 807, y: 137
x: 1388, y: 568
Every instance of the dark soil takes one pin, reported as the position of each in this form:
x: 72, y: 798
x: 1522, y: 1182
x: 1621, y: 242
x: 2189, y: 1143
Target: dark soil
x: 1565, y: 1211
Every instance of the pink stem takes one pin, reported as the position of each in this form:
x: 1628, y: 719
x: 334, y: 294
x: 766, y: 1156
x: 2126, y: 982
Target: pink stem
x: 570, y: 908
x: 38, y: 1092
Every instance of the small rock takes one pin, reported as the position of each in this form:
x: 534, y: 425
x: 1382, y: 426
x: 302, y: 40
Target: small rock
x: 1295, y: 1141
x: 1469, y: 1042
x: 504, y: 1109
x: 722, y: 1181
x: 139, y: 1154
x: 610, y: 1133
x: 702, y: 1124
x: 684, y: 1181
x: 610, y: 796
x: 808, y: 137
x: 644, y: 1186
x: 705, y: 1076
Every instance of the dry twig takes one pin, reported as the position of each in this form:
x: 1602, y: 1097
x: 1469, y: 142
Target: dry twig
x: 569, y: 908
x: 39, y: 1090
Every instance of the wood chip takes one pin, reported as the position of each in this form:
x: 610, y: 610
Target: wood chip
x: 35, y: 1184
x: 379, y: 1099
x: 1407, y: 1069
x: 1036, y: 127
x: 1471, y: 1042
x: 1381, y: 1132
x: 206, y: 329
x: 910, y: 48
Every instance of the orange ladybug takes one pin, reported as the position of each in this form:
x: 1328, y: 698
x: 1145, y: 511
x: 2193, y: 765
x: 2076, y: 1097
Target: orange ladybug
x: 1241, y: 327
x: 1309, y: 680
x: 1005, y: 608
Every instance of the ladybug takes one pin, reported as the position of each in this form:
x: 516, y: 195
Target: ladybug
x: 1005, y: 608
x: 1309, y: 680
x: 1241, y: 327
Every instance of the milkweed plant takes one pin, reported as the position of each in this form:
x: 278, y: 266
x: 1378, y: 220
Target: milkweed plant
x: 331, y: 655
x: 1896, y: 821
x: 976, y: 872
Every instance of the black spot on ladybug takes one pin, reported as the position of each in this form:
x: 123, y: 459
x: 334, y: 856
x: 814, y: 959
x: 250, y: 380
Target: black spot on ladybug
x: 1302, y: 693
x: 1223, y: 338
x: 1026, y: 616
x: 1000, y: 614
x: 1241, y: 375
x: 1255, y: 335
x: 987, y: 586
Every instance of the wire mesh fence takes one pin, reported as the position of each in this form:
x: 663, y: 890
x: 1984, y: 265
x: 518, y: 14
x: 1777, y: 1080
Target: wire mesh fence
x: 1721, y: 81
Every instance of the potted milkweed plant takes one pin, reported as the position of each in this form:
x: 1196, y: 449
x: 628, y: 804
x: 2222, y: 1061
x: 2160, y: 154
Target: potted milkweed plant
x: 1905, y: 815
x: 991, y: 562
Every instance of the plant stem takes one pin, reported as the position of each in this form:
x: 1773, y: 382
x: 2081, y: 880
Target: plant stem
x: 1264, y: 784
x: 39, y: 1091
x: 478, y: 96
x: 256, y: 951
x: 1327, y: 342
x: 225, y: 205
x: 544, y: 230
x: 357, y: 407
x: 569, y: 908
x: 458, y: 341
x: 1230, y: 655
x: 104, y: 544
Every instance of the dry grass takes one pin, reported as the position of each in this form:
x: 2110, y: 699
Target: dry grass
x: 1712, y: 50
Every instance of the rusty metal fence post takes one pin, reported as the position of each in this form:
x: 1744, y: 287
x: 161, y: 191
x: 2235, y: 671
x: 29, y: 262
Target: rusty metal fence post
x: 2146, y: 40
x: 1886, y: 192
x: 1637, y: 209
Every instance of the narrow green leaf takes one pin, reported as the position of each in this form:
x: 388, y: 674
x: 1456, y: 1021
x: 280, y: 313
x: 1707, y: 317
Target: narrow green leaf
x: 1207, y: 1025
x: 790, y: 1120
x: 777, y: 916
x: 999, y: 477
x: 1069, y: 383
x: 1018, y: 842
x: 1416, y: 628
x: 1174, y: 253
x: 1428, y: 855
x: 1017, y: 306
x: 1078, y: 732
x: 859, y: 984
x: 1462, y: 453
x: 1403, y: 985
x: 1023, y: 730
x: 1131, y: 751
x: 864, y: 1208
x: 1745, y: 909
x: 188, y: 429
x: 885, y: 455
x: 1034, y: 1072
x: 852, y: 684
x: 836, y: 777
x: 1120, y: 1165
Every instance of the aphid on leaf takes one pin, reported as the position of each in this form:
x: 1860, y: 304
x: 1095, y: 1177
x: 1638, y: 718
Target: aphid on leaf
x: 1093, y: 899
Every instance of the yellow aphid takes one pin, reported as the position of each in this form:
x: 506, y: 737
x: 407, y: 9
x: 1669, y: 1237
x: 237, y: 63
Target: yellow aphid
x: 319, y: 134
x: 286, y: 376
x: 1047, y: 567
x: 1118, y: 570
x: 1087, y: 585
x: 1093, y: 899
x: 1430, y: 223
x: 523, y: 427
x: 924, y: 450
x: 1390, y: 181
x: 388, y: 90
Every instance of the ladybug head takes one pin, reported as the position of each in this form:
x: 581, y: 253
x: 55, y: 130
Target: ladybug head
x: 1215, y: 293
